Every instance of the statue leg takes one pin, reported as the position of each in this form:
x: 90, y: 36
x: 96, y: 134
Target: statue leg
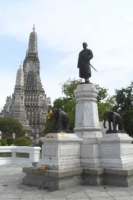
x: 60, y: 122
x: 55, y: 125
x: 114, y: 123
x: 120, y: 126
x: 66, y: 126
x: 114, y: 126
x: 87, y: 81
x: 109, y: 122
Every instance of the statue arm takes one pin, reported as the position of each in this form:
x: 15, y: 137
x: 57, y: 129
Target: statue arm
x: 78, y: 65
x: 90, y: 55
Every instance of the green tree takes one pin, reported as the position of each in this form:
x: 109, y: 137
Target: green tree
x: 3, y: 142
x: 48, y: 126
x: 124, y: 105
x: 10, y: 125
x: 9, y: 140
x: 104, y: 100
x: 69, y: 86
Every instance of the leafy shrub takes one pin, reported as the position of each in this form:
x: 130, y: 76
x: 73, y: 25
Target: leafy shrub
x: 48, y: 126
x: 10, y: 125
x: 9, y: 140
x: 3, y: 142
x: 22, y: 142
x: 0, y: 143
x: 27, y: 137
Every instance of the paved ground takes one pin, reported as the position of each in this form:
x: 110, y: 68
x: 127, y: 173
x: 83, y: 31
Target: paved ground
x: 11, y: 188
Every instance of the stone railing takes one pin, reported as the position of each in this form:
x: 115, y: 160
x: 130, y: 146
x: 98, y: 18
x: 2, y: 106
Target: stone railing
x: 19, y: 154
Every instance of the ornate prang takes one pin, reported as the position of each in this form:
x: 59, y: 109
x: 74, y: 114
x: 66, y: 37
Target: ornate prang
x: 29, y: 99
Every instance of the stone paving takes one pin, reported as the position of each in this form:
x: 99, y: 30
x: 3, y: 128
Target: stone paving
x: 11, y: 187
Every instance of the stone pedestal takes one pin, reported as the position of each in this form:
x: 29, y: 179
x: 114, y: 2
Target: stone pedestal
x: 86, y: 157
x: 87, y: 124
x: 116, y: 151
x: 63, y: 149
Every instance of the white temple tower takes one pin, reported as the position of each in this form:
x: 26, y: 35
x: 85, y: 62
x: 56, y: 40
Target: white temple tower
x: 29, y: 99
x: 17, y: 110
x: 36, y: 102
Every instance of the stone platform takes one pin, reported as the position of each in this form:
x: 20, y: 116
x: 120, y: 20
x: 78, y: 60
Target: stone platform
x: 53, y: 179
x: 85, y: 157
x: 11, y: 188
x: 62, y: 179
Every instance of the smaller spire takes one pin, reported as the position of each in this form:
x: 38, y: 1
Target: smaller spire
x: 33, y: 27
x: 21, y: 64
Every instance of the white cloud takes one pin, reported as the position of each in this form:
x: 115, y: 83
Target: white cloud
x: 62, y: 26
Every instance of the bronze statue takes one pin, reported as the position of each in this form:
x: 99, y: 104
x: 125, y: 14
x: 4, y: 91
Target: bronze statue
x: 61, y: 120
x: 84, y: 63
x: 114, y: 119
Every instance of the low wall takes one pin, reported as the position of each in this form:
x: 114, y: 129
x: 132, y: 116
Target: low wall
x: 19, y: 154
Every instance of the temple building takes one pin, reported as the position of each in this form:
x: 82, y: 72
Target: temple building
x: 28, y: 103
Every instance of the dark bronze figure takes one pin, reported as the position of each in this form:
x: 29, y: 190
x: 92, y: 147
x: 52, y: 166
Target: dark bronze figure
x: 84, y: 63
x: 61, y: 120
x: 113, y: 119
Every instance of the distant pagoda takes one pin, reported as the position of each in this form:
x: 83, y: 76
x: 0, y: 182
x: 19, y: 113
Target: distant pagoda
x: 29, y: 91
x: 17, y: 108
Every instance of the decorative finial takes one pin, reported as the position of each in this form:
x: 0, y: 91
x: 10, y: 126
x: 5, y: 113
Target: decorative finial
x: 33, y: 27
x: 21, y: 64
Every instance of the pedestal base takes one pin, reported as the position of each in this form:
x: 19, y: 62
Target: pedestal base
x: 119, y: 177
x: 90, y: 155
x: 87, y: 124
x: 62, y: 150
x: 61, y: 179
x: 116, y: 151
x: 53, y: 179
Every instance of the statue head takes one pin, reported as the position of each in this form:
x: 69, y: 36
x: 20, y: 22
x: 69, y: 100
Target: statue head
x: 85, y: 45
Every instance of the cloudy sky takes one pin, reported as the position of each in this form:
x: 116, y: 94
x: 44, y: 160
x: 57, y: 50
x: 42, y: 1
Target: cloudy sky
x: 62, y: 26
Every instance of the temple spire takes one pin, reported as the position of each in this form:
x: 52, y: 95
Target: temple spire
x: 20, y: 78
x: 32, y: 48
x: 33, y: 27
x: 21, y: 64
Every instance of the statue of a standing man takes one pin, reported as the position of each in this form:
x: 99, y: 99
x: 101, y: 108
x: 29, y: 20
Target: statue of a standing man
x: 84, y: 63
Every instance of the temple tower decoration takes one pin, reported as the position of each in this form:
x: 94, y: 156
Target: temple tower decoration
x: 29, y: 91
x: 36, y: 102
